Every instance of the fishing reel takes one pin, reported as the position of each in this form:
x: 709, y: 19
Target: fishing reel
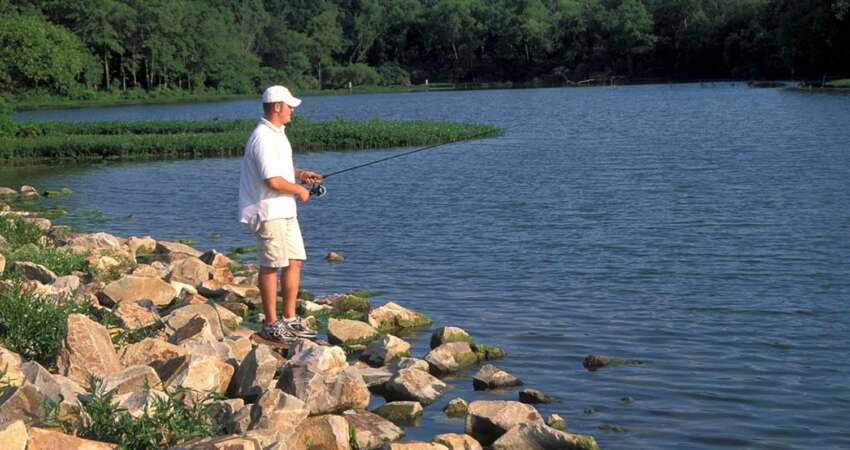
x: 318, y: 190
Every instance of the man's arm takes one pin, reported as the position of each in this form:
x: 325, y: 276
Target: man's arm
x: 279, y: 184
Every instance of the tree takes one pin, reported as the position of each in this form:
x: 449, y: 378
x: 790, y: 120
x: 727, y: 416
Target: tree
x: 632, y: 31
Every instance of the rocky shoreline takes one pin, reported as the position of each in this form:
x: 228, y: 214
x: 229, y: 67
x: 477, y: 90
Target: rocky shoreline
x: 155, y: 331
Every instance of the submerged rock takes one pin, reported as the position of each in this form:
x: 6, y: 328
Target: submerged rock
x: 400, y: 412
x: 491, y: 377
x: 456, y: 407
x: 596, y: 362
x: 532, y: 396
x: 557, y: 422
x: 444, y: 335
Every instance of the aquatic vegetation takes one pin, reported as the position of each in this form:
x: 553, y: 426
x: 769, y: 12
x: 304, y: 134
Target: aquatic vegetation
x: 197, y: 139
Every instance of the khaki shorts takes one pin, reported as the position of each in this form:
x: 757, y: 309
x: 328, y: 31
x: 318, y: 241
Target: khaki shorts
x: 278, y: 241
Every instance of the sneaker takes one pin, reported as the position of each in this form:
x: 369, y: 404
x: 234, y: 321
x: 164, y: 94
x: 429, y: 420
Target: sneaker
x: 277, y: 332
x: 296, y: 327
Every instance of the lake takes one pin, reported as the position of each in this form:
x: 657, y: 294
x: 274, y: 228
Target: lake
x: 702, y: 229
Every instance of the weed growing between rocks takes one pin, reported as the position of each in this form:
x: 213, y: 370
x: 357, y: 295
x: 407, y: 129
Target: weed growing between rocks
x: 178, y: 416
x: 60, y: 262
x: 18, y: 232
x: 32, y: 324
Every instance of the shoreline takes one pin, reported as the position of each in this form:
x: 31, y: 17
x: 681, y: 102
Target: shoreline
x: 171, y: 309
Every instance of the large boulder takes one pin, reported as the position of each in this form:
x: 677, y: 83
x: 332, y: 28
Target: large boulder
x: 279, y: 411
x: 145, y: 244
x: 350, y: 332
x: 401, y: 412
x: 414, y: 445
x: 218, y: 317
x: 151, y: 352
x: 91, y: 242
x: 415, y: 385
x: 201, y: 373
x: 25, y: 402
x: 11, y: 363
x: 196, y: 330
x: 131, y: 379
x: 134, y: 288
x: 191, y: 271
x: 254, y: 375
x: 50, y: 439
x: 328, y: 432
x: 536, y: 436
x: 2, y: 258
x: 444, y: 335
x: 393, y: 316
x: 324, y: 393
x: 169, y: 252
x: 450, y: 357
x: 14, y: 435
x: 33, y: 271
x: 455, y: 441
x: 141, y: 402
x: 86, y: 350
x: 491, y: 377
x: 370, y: 429
x: 487, y: 420
x: 138, y: 314
x: 57, y: 389
x: 384, y: 350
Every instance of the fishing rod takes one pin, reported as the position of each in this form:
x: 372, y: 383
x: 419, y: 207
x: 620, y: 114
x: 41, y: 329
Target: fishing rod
x: 319, y: 190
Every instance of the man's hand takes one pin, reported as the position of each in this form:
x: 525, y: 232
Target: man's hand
x: 310, y: 177
x: 303, y: 194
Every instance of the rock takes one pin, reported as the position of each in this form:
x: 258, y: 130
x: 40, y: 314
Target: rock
x: 328, y: 432
x: 86, y: 350
x: 90, y: 242
x: 240, y: 421
x: 49, y: 439
x: 536, y: 436
x: 191, y: 271
x: 67, y: 284
x: 487, y: 420
x: 400, y: 412
x: 144, y: 244
x: 215, y: 288
x: 197, y: 330
x: 4, y: 190
x: 488, y: 352
x: 131, y: 379
x: 2, y: 261
x: 413, y: 384
x: 151, y: 352
x: 55, y: 388
x: 350, y: 332
x: 312, y: 307
x: 33, y: 271
x: 183, y: 288
x: 384, y: 350
x: 39, y: 222
x: 414, y: 445
x: 25, y: 402
x: 413, y: 363
x: 134, y: 402
x: 557, y: 422
x: 25, y: 189
x: 595, y: 362
x: 134, y: 288
x: 392, y: 316
x: 321, y: 378
x: 232, y: 442
x: 10, y: 362
x: 454, y: 441
x: 450, y: 357
x: 215, y: 315
x: 444, y: 335
x: 239, y: 346
x: 371, y: 430
x: 300, y: 345
x: 216, y: 259
x: 134, y: 315
x: 456, y: 407
x: 102, y: 264
x: 279, y: 411
x: 174, y: 251
x: 14, y: 435
x: 491, y: 377
x: 198, y: 372
x: 375, y: 377
x: 334, y: 257
x: 533, y: 396
x: 254, y: 374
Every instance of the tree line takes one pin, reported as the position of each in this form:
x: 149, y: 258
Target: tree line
x: 79, y: 47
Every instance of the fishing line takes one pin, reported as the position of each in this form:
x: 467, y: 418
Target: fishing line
x: 319, y: 190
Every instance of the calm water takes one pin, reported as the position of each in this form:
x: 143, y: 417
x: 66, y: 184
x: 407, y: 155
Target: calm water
x: 703, y: 229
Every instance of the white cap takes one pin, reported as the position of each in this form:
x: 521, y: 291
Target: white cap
x: 276, y: 94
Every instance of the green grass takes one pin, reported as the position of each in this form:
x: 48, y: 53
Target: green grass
x: 19, y: 232
x: 60, y: 262
x: 182, y: 139
x: 843, y: 83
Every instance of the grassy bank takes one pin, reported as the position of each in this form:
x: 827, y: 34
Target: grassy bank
x: 187, y: 139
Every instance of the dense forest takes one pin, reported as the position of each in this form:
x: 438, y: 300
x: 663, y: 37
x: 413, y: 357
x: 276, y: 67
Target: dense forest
x: 76, y: 48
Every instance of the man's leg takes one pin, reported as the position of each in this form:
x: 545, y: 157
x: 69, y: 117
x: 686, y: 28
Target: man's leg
x: 290, y: 278
x: 268, y: 293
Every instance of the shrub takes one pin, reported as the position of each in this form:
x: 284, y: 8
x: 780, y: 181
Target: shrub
x: 19, y: 232
x: 392, y: 74
x: 7, y: 125
x: 180, y: 416
x: 357, y: 74
x: 32, y: 324
x: 61, y: 262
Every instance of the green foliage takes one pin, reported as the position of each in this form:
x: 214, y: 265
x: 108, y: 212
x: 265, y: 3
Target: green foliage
x: 180, y: 416
x: 357, y: 74
x: 59, y: 261
x: 32, y: 324
x: 844, y: 83
x: 131, y: 140
x: 19, y: 232
x: 8, y: 127
x: 392, y: 74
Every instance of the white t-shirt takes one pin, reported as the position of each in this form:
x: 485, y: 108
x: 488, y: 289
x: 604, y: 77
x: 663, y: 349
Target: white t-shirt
x: 267, y: 154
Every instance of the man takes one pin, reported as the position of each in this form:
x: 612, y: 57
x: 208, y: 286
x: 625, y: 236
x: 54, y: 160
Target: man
x: 267, y: 193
